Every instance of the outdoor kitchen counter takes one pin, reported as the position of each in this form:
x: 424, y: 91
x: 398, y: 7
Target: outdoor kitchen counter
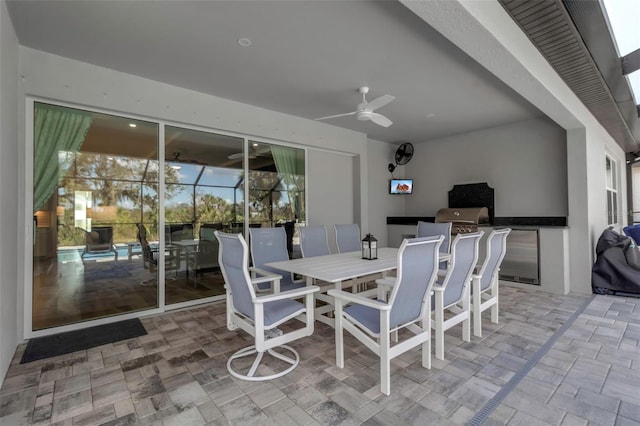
x: 553, y: 248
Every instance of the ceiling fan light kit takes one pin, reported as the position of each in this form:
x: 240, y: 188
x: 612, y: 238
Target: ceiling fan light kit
x: 365, y: 110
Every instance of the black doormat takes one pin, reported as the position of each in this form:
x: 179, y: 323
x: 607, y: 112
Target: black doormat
x: 72, y: 341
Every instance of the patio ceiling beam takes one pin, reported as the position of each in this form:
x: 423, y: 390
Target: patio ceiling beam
x: 631, y: 62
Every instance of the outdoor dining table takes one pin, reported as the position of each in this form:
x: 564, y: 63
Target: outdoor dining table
x: 338, y: 268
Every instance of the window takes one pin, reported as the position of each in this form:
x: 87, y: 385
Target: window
x: 612, y: 191
x: 97, y: 211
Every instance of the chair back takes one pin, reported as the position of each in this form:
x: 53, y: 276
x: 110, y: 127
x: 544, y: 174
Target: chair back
x: 429, y: 229
x: 100, y: 238
x: 270, y: 245
x: 233, y: 257
x: 496, y: 249
x: 348, y: 237
x: 147, y: 253
x: 314, y: 241
x: 464, y: 256
x: 417, y: 270
x: 180, y: 231
x: 207, y: 230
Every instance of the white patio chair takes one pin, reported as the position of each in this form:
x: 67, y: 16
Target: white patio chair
x: 270, y: 245
x: 314, y: 241
x: 429, y: 229
x: 258, y: 315
x: 348, y: 237
x: 484, y: 290
x: 452, y: 293
x: 409, y: 307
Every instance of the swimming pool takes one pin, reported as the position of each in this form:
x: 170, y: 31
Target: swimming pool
x: 72, y: 254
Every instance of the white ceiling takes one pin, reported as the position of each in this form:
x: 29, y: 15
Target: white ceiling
x: 307, y: 58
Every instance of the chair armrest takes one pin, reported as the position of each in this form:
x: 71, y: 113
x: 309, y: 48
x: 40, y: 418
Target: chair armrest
x: 266, y: 278
x: 264, y: 272
x: 388, y: 281
x: 291, y: 294
x: 354, y: 298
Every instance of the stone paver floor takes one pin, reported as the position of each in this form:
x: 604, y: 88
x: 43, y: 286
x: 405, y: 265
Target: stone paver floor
x: 176, y: 374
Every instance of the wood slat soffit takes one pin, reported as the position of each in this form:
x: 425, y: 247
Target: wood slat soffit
x: 551, y: 28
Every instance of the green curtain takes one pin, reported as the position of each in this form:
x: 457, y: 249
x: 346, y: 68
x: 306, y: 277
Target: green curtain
x: 57, y: 133
x: 290, y: 166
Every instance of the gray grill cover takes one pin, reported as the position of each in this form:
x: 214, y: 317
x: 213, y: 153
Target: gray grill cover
x: 617, y: 268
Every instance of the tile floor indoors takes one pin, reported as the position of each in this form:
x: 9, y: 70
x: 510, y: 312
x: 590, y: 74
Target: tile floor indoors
x: 176, y: 375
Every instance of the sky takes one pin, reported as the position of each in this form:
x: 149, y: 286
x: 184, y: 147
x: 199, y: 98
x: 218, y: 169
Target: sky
x: 624, y: 18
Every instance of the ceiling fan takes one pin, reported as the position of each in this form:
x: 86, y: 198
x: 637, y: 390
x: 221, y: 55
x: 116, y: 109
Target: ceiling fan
x: 253, y: 153
x: 176, y: 159
x: 365, y: 111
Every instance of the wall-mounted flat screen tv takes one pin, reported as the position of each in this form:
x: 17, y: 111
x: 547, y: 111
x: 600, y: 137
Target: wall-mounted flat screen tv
x: 401, y: 186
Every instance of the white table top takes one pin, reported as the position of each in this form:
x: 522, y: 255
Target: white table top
x: 335, y: 268
x: 185, y: 243
x: 340, y: 267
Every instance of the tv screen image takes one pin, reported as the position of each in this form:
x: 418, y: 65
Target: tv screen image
x: 401, y: 186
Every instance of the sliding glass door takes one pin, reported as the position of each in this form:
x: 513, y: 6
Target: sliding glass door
x: 103, y: 237
x: 204, y: 192
x: 95, y: 177
x: 277, y: 189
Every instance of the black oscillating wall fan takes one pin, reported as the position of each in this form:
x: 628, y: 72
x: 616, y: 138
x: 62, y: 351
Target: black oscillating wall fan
x: 402, y: 156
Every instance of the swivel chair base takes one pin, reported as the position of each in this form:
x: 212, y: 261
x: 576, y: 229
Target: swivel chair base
x: 251, y: 350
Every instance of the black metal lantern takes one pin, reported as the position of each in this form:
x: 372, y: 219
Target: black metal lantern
x: 369, y: 247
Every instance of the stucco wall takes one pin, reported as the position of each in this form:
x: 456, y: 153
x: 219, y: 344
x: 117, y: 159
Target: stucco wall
x: 65, y: 80
x: 9, y: 172
x: 525, y: 162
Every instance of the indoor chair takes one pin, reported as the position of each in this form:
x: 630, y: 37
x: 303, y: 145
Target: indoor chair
x: 205, y: 257
x: 430, y: 229
x: 270, y: 245
x: 314, y: 241
x: 484, y: 290
x: 452, y: 292
x: 260, y: 316
x: 98, y: 241
x: 409, y: 307
x: 150, y: 256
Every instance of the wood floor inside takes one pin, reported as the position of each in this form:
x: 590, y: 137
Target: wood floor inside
x: 75, y: 291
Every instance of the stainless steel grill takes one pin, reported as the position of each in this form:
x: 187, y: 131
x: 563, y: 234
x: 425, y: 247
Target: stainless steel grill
x: 463, y: 220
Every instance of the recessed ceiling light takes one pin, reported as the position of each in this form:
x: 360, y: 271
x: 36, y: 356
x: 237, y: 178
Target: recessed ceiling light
x: 133, y: 125
x: 255, y: 144
x: 244, y: 42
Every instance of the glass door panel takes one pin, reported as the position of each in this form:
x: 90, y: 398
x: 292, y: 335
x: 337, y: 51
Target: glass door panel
x: 277, y: 189
x: 95, y: 178
x: 204, y: 192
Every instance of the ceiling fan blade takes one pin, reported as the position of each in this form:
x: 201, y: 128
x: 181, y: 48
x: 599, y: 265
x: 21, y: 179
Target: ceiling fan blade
x: 380, y: 102
x: 380, y: 119
x: 240, y: 155
x: 337, y: 115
